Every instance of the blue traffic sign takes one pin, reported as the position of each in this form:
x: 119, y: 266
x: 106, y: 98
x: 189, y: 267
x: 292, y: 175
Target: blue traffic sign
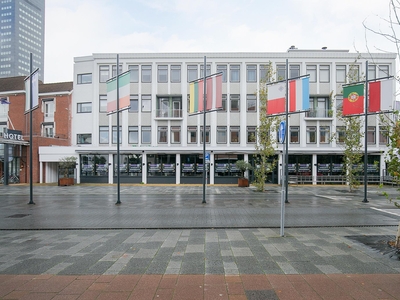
x: 282, y: 131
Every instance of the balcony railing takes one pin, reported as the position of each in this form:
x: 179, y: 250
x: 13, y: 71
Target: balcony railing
x: 319, y: 113
x: 169, y: 113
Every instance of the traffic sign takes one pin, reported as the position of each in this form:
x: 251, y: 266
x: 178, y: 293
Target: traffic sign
x: 282, y: 131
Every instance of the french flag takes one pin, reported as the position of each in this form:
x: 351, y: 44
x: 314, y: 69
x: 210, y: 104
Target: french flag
x: 299, y: 94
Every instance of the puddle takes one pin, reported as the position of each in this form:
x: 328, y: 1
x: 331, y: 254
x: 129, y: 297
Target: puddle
x: 383, y: 244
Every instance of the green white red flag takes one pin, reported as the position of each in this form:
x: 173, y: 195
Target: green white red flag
x: 124, y: 92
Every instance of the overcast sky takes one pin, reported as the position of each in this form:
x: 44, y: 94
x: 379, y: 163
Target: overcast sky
x: 79, y: 28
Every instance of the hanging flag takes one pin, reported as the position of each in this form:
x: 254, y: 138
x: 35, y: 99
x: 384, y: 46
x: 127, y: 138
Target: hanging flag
x: 276, y: 98
x: 213, y: 94
x: 34, y: 93
x: 4, y: 101
x: 124, y: 92
x: 299, y: 94
x: 353, y: 99
x: 380, y: 95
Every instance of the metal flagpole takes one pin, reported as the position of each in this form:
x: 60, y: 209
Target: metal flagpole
x: 118, y: 166
x: 30, y: 134
x: 204, y: 133
x: 286, y: 133
x: 365, y: 200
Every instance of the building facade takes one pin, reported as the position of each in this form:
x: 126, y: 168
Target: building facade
x: 22, y: 29
x: 51, y: 124
x: 160, y: 142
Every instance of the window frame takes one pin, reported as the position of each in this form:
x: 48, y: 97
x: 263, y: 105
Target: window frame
x: 103, y: 103
x: 324, y: 134
x: 133, y: 131
x: 175, y: 136
x: 311, y: 130
x: 145, y: 133
x: 162, y: 73
x: 146, y: 73
x: 234, y: 73
x: 292, y: 134
x: 251, y: 134
x: 104, y: 130
x: 324, y: 73
x: 251, y: 98
x: 81, y: 78
x: 80, y: 106
x: 104, y: 73
x: 133, y: 73
x: 251, y: 73
x: 192, y: 131
x: 80, y: 136
x: 175, y: 74
x: 234, y: 134
x: 234, y: 98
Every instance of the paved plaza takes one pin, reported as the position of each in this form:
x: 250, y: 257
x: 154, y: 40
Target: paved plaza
x: 162, y: 242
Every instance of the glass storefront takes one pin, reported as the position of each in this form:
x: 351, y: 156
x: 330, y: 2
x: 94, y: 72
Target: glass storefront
x: 130, y: 169
x: 94, y: 168
x: 161, y: 168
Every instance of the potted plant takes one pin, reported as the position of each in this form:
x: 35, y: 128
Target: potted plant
x: 243, y: 166
x: 66, y: 167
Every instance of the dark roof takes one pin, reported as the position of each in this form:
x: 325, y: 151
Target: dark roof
x: 17, y: 83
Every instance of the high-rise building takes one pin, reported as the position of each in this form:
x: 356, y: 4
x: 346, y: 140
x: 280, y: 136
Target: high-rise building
x: 22, y: 24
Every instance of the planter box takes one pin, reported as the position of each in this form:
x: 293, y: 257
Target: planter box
x: 243, y: 182
x: 65, y: 181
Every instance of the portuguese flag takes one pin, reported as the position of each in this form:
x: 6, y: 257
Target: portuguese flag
x: 353, y: 99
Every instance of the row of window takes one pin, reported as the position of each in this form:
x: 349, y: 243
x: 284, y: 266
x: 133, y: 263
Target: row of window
x: 173, y: 136
x: 172, y: 73
x: 169, y: 106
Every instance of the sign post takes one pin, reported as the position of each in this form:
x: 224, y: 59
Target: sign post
x: 281, y: 138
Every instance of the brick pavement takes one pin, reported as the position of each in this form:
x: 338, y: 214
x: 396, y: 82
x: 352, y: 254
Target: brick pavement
x: 198, y: 263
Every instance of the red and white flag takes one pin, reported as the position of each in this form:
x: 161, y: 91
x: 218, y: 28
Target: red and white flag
x: 381, y: 95
x: 276, y: 98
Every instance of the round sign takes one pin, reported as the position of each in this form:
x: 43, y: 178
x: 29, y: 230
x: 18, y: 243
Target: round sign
x: 281, y: 133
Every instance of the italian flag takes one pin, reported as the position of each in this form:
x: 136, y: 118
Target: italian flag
x: 380, y: 95
x: 353, y: 99
x: 124, y: 92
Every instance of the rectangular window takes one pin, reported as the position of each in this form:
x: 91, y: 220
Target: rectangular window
x: 251, y: 73
x: 85, y: 78
x: 324, y: 134
x: 84, y: 107
x: 234, y: 101
x: 371, y: 72
x: 134, y: 73
x: 207, y: 134
x: 133, y: 135
x: 354, y: 73
x: 340, y: 73
x: 134, y: 103
x: 235, y: 134
x: 103, y: 135
x: 146, y: 73
x: 48, y: 106
x: 146, y: 134
x: 221, y: 135
x: 371, y: 136
x: 162, y: 75
x: 192, y: 73
x: 294, y: 71
x: 383, y: 135
x: 312, y: 71
x: 383, y: 71
x: 234, y: 73
x: 192, y: 135
x: 224, y: 99
x: 48, y: 130
x: 339, y: 102
x: 103, y: 103
x: 223, y: 69
x: 264, y: 73
x: 280, y: 72
x: 251, y: 101
x: 340, y: 134
x: 175, y: 73
x: 146, y: 103
x: 311, y: 134
x: 114, y: 70
x: 202, y: 70
x: 114, y: 134
x: 175, y: 134
x: 294, y: 133
x: 104, y: 73
x: 84, y: 138
x: 251, y: 134
x: 324, y: 73
x: 162, y: 134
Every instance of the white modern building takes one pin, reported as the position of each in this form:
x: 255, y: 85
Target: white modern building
x: 160, y: 142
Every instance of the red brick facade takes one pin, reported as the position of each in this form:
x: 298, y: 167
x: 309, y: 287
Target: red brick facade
x: 61, y: 95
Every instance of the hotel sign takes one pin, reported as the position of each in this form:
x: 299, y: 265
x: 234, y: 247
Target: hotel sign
x: 13, y: 135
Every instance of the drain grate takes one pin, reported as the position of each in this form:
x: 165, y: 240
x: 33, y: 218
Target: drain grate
x: 381, y: 243
x: 16, y: 216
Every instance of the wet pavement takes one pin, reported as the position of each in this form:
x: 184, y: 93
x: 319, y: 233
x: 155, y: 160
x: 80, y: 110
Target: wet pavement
x: 162, y: 242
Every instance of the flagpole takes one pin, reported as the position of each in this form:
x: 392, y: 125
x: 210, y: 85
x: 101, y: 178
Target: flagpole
x: 286, y: 133
x: 204, y: 132
x: 30, y: 134
x: 365, y: 200
x: 118, y: 162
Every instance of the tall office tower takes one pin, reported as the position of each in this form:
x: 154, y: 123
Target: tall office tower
x: 21, y: 33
